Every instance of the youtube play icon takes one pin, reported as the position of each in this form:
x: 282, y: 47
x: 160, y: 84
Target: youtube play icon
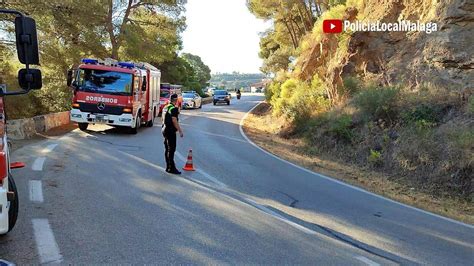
x: 332, y: 26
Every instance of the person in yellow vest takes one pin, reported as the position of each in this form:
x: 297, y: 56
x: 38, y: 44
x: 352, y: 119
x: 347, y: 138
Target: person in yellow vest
x: 169, y: 128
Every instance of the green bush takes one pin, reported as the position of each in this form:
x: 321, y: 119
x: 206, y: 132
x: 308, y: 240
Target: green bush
x: 316, y: 122
x: 299, y: 104
x: 422, y: 112
x: 273, y: 92
x: 351, y: 85
x: 298, y: 100
x: 288, y: 88
x: 377, y: 103
x: 340, y: 127
x: 375, y: 157
x: 280, y: 102
x: 422, y: 126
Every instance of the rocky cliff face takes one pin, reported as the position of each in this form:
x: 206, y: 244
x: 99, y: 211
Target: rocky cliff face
x: 443, y: 59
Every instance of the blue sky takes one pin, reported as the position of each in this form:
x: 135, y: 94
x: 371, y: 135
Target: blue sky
x: 224, y: 34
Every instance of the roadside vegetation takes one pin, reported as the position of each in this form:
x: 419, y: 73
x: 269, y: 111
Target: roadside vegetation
x: 411, y: 141
x: 235, y: 80
x: 141, y: 31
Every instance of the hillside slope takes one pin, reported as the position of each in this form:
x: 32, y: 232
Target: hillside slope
x: 443, y: 59
x: 397, y: 104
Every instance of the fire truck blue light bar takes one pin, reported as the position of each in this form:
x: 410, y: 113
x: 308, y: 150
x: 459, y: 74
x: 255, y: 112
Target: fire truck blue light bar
x: 126, y: 64
x: 90, y: 61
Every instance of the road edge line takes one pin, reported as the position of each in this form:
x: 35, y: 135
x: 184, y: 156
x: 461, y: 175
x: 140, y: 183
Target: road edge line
x: 367, y: 261
x: 49, y: 148
x: 36, y: 191
x: 38, y: 164
x: 340, y: 182
x: 205, y: 174
x: 47, y: 247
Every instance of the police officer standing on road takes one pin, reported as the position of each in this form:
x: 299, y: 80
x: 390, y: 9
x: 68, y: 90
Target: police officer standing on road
x: 169, y: 128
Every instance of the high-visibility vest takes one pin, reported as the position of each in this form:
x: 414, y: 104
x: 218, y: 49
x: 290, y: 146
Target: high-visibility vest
x: 168, y: 109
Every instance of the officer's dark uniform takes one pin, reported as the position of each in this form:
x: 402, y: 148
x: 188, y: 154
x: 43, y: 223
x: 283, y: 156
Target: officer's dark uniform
x: 169, y: 134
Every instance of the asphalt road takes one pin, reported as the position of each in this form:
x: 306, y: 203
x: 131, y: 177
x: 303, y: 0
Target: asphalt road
x: 102, y: 196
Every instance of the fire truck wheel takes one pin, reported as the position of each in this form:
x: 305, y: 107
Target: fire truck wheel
x: 150, y: 123
x: 83, y: 126
x: 13, y: 212
x: 137, y: 125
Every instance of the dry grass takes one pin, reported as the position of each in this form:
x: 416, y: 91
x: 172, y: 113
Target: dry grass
x: 263, y: 130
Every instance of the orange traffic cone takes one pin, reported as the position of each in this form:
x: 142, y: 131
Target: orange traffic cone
x: 189, y: 163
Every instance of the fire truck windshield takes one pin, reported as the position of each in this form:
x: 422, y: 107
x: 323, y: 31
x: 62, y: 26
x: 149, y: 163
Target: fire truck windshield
x: 164, y: 93
x: 102, y: 81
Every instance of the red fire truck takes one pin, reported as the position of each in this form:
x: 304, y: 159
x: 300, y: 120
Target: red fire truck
x: 115, y: 93
x: 27, y: 49
x: 166, y: 90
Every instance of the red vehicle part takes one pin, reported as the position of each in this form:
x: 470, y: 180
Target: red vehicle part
x: 117, y: 94
x: 166, y: 91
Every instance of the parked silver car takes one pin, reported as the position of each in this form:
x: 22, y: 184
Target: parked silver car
x: 191, y: 100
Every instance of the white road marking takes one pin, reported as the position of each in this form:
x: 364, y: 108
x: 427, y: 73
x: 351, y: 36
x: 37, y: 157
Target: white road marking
x: 36, y: 191
x: 263, y: 209
x: 340, y: 182
x: 38, y: 164
x: 49, y: 148
x: 206, y: 175
x: 279, y: 217
x: 184, y: 117
x: 367, y: 261
x: 237, y: 198
x: 250, y: 201
x: 213, y: 179
x: 48, y: 249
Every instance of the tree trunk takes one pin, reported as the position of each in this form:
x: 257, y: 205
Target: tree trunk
x: 124, y: 22
x: 309, y: 11
x: 293, y: 38
x: 306, y: 16
x: 303, y: 20
x: 295, y: 34
x: 300, y: 30
x: 110, y: 30
x: 116, y: 39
